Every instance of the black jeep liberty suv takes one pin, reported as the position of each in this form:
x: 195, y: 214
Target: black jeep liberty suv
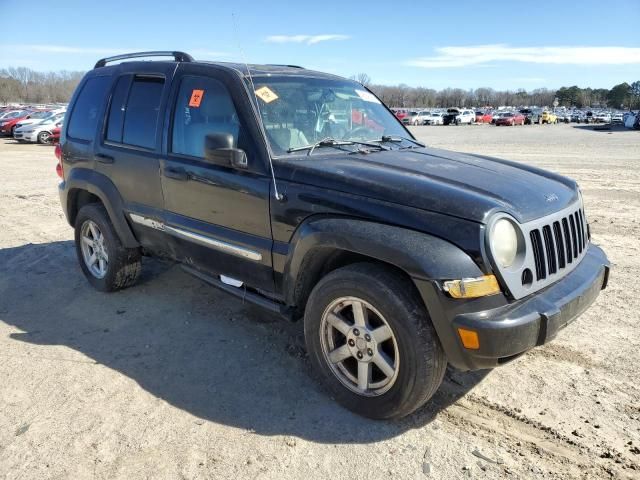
x: 301, y: 192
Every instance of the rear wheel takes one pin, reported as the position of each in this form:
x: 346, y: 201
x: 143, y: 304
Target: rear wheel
x: 106, y: 263
x: 371, y: 341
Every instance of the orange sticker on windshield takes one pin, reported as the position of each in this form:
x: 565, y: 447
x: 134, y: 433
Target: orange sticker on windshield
x: 196, y: 98
x: 266, y: 94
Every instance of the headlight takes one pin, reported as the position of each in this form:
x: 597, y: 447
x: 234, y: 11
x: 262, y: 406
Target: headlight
x: 504, y: 242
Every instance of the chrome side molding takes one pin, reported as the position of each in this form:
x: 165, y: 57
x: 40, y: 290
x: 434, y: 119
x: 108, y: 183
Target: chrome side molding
x: 198, y: 238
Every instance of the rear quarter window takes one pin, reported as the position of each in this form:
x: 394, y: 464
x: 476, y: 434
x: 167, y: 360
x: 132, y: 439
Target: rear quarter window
x: 84, y: 116
x: 142, y: 112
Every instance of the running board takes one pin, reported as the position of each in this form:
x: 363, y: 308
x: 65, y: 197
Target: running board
x: 243, y: 294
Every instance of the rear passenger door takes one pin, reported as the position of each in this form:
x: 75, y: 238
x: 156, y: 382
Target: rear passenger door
x: 218, y: 215
x: 129, y: 150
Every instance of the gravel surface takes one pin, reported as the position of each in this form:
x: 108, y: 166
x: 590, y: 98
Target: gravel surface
x: 173, y: 379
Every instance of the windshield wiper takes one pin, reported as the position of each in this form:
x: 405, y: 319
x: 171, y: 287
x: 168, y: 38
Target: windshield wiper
x: 330, y: 142
x: 398, y: 139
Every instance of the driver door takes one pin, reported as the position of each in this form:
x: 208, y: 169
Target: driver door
x: 217, y: 216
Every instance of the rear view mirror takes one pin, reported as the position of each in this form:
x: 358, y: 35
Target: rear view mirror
x: 219, y: 150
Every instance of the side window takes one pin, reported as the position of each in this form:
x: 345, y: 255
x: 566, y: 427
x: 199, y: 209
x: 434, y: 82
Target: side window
x: 117, y: 109
x: 203, y: 106
x: 142, y: 112
x: 84, y: 117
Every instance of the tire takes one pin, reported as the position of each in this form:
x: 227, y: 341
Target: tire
x: 43, y: 137
x: 413, y: 350
x: 121, y: 267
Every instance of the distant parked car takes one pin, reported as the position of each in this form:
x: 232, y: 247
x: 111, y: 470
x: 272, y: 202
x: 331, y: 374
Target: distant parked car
x: 511, y: 119
x: 434, y: 118
x: 530, y: 116
x: 496, y: 116
x: 577, y: 117
x: 602, y: 117
x: 416, y: 118
x: 11, y: 119
x: 484, y: 117
x: 400, y: 113
x: 617, y: 118
x: 564, y: 117
x: 38, y: 132
x: 457, y: 116
x: 548, y: 117
x: 54, y: 138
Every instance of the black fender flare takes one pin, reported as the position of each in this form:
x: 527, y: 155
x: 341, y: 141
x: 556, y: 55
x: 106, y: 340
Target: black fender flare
x: 103, y: 188
x: 420, y: 255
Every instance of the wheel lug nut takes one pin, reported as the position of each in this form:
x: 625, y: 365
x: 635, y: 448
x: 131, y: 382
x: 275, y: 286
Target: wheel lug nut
x: 359, y: 355
x: 369, y: 352
x: 351, y: 342
x: 367, y: 337
x: 356, y: 332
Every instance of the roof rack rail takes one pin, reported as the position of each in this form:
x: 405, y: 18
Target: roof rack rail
x: 178, y: 56
x: 285, y: 65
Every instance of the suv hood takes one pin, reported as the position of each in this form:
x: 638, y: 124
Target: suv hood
x: 464, y: 185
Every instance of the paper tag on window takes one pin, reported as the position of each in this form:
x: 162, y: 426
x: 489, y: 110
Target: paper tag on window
x: 266, y: 94
x: 367, y: 96
x: 196, y: 98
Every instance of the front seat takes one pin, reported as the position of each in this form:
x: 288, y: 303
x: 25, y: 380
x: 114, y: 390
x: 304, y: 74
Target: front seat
x: 216, y: 114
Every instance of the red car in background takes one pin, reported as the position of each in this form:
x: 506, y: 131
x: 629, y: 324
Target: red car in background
x: 484, y: 117
x: 400, y: 113
x: 511, y: 119
x: 8, y: 123
x: 54, y: 138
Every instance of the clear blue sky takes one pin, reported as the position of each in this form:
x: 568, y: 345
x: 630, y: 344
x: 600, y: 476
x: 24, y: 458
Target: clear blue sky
x: 498, y: 44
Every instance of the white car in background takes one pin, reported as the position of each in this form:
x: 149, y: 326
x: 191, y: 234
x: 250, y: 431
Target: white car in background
x: 602, y: 117
x: 38, y: 132
x: 434, y: 118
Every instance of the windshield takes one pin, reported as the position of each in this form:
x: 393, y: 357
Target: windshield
x: 41, y: 115
x: 299, y: 111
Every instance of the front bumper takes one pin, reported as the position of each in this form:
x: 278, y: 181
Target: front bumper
x: 508, y: 329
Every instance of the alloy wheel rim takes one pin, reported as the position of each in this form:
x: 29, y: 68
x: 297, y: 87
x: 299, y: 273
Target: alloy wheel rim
x: 359, y: 346
x: 94, y: 251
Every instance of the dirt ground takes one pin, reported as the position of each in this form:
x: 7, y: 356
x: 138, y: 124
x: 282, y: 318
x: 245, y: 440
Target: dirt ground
x: 173, y: 379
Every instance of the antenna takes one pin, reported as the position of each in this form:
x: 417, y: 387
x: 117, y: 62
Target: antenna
x: 276, y: 194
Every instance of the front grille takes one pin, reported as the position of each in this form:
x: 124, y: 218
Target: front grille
x: 548, y: 244
x: 554, y: 246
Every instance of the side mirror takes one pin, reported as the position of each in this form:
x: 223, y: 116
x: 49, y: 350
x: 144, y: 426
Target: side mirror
x: 219, y: 150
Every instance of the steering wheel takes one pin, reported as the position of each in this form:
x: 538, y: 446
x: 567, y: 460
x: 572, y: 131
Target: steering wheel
x: 364, y: 132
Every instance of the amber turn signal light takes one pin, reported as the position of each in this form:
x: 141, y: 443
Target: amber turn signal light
x: 472, y: 287
x: 469, y: 338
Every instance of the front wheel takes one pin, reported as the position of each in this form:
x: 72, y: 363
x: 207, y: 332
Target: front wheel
x: 43, y: 137
x: 371, y: 341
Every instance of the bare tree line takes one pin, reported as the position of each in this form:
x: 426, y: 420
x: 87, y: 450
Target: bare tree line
x: 23, y: 85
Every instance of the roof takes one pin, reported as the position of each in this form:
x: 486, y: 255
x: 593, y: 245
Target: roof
x: 241, y: 68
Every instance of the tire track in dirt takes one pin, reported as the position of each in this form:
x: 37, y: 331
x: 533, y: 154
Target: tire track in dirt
x: 567, y: 455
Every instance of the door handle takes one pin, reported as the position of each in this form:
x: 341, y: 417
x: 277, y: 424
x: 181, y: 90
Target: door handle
x: 176, y: 173
x: 102, y: 158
